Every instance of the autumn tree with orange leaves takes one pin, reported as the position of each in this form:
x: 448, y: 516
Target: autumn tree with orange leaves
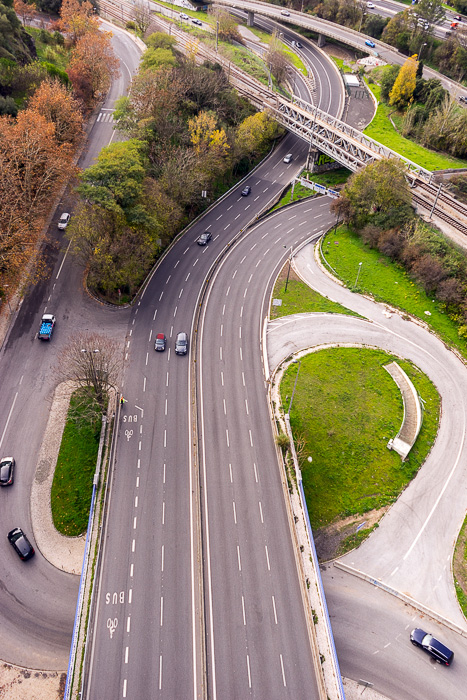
x: 25, y: 10
x: 33, y: 166
x: 92, y: 66
x: 57, y: 105
x: 77, y: 19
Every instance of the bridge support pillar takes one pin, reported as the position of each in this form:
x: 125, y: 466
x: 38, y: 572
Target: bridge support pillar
x: 318, y: 162
x: 321, y: 40
x: 250, y: 19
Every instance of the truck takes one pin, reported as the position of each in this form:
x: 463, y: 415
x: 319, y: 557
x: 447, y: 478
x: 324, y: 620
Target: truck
x: 47, y: 327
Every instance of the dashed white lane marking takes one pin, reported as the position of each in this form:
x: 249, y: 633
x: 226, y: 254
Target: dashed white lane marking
x: 283, y: 673
x: 126, y: 654
x: 186, y: 278
x: 274, y: 609
x: 162, y: 611
x: 220, y: 352
x: 222, y: 378
x: 160, y: 672
x: 248, y: 669
x: 261, y: 512
x: 124, y: 688
x: 243, y: 259
x: 251, y: 438
x: 267, y: 557
x: 227, y: 437
x: 133, y: 545
x: 246, y: 407
x: 162, y: 558
x: 256, y: 473
x: 176, y: 264
x: 134, y: 522
x: 155, y: 314
x: 132, y: 568
x: 136, y: 501
x: 163, y: 512
x: 222, y: 329
x: 128, y: 620
x: 225, y: 407
x: 243, y: 610
x: 231, y: 476
x: 234, y: 512
x: 238, y: 557
x: 162, y: 294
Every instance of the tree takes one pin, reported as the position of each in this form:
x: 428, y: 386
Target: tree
x: 255, y: 133
x: 378, y: 190
x: 54, y: 102
x: 388, y: 78
x: 142, y: 15
x: 77, y: 19
x: 155, y: 58
x: 94, y: 363
x: 228, y: 27
x: 27, y: 11
x: 431, y: 10
x: 402, y: 91
x: 115, y: 181
x: 276, y: 58
x: 159, y: 40
x: 93, y: 63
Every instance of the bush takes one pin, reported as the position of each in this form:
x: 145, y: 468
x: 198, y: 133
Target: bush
x: 131, y: 25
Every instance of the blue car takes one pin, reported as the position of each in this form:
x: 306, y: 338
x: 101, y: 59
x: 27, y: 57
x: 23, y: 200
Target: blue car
x: 370, y: 43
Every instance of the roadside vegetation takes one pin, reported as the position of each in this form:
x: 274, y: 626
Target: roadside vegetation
x: 429, y: 275
x: 345, y: 409
x: 330, y: 178
x: 187, y: 132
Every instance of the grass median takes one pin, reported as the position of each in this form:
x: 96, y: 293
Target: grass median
x: 72, y: 483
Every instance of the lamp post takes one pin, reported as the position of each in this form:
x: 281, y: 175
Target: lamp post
x: 288, y: 269
x: 420, y: 52
x: 361, y: 19
x: 358, y: 272
x: 295, y: 384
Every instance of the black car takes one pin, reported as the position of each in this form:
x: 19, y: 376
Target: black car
x: 160, y: 343
x: 246, y: 191
x: 204, y: 238
x: 197, y: 21
x: 7, y: 471
x: 181, y: 344
x: 20, y: 544
x: 432, y: 646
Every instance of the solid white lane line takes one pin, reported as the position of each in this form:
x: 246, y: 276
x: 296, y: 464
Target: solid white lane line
x: 243, y: 610
x: 267, y: 557
x: 274, y: 609
x: 234, y: 512
x: 283, y: 673
x: 162, y: 558
x: 238, y: 557
x: 261, y: 512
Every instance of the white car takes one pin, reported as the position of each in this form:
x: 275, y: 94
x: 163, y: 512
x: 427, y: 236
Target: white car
x: 370, y: 6
x: 286, y: 13
x: 183, y: 16
x: 288, y: 158
x: 63, y: 220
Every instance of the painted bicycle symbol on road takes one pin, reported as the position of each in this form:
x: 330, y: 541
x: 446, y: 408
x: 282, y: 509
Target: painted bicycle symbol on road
x: 112, y: 625
x: 128, y: 434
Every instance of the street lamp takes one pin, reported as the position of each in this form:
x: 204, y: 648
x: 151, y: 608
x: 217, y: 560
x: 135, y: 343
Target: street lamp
x: 420, y: 52
x: 361, y: 20
x: 358, y: 272
x: 288, y: 269
x: 295, y: 384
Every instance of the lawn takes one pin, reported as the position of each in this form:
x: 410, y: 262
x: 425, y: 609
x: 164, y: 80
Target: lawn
x: 345, y: 409
x: 382, y: 131
x: 299, y: 298
x: 386, y: 282
x: 72, y: 483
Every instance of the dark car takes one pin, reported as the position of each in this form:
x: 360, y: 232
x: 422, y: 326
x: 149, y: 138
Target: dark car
x: 370, y: 43
x: 297, y: 45
x: 181, y: 344
x: 246, y: 191
x: 197, y: 21
x: 20, y: 544
x: 432, y: 646
x: 7, y: 471
x: 161, y: 340
x: 204, y: 238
